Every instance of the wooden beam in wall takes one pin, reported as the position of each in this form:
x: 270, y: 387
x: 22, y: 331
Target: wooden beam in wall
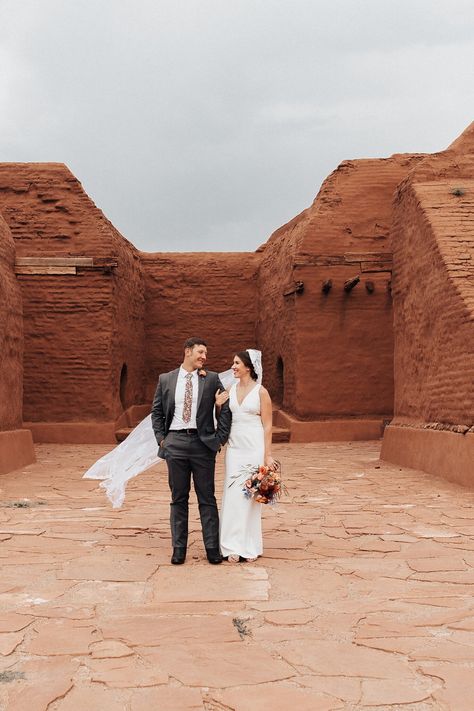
x: 63, y: 265
x: 353, y: 257
x: 376, y: 266
x: 44, y: 270
x: 367, y: 261
x: 55, y: 261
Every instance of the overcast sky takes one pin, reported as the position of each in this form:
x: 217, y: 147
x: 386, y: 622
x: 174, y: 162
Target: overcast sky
x: 207, y: 124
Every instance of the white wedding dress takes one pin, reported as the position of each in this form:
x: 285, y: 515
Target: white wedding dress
x: 240, y: 518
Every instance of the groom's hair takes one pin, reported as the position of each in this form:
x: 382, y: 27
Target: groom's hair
x: 191, y: 342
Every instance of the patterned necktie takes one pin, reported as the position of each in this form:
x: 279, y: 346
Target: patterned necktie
x: 188, y: 398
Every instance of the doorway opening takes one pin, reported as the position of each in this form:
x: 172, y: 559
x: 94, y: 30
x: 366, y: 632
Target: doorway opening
x: 280, y: 382
x: 123, y: 386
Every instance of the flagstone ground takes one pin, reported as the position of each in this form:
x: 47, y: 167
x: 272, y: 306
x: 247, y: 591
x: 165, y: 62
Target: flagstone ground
x: 362, y: 600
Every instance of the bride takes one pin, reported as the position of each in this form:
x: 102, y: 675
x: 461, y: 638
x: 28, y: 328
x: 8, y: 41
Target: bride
x: 249, y: 444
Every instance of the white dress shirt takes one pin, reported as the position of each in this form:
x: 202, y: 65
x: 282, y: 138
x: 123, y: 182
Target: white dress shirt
x: 178, y: 422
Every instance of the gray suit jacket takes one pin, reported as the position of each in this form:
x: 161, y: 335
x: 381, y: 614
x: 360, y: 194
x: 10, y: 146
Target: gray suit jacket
x: 162, y: 411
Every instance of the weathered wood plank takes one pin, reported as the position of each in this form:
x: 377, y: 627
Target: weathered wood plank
x: 367, y: 256
x: 333, y: 260
x: 19, y: 269
x: 319, y: 260
x: 55, y: 261
x: 376, y: 266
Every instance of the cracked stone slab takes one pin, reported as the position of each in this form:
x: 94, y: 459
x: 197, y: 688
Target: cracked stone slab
x: 13, y: 622
x: 44, y: 681
x: 150, y: 628
x: 109, y: 648
x: 278, y: 633
x: 92, y: 698
x: 331, y: 658
x: 128, y: 672
x: 275, y: 697
x: 290, y: 617
x: 346, y: 689
x: 54, y: 610
x: 458, y: 690
x: 432, y: 565
x: 9, y: 641
x: 377, y: 692
x: 192, y: 583
x: 458, y: 577
x: 62, y: 637
x: 215, y: 665
x: 429, y: 647
x: 91, y: 592
x: 166, y: 699
x: 109, y: 566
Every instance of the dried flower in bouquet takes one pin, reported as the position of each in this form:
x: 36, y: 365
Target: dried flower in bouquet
x: 262, y: 484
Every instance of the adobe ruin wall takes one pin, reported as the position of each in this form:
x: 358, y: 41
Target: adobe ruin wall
x: 16, y: 444
x: 336, y: 344
x: 433, y: 292
x: 213, y: 296
x: 102, y: 320
x: 82, y: 323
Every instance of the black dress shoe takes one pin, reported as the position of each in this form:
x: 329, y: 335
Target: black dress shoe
x: 214, y: 556
x: 179, y: 556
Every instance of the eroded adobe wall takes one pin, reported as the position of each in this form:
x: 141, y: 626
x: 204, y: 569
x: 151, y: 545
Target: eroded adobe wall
x: 213, y: 296
x: 11, y: 336
x: 276, y: 326
x: 80, y: 328
x: 433, y: 288
x: 16, y: 444
x: 433, y: 236
x: 340, y: 344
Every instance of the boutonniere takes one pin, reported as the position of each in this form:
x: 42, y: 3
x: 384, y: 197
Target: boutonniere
x: 202, y: 373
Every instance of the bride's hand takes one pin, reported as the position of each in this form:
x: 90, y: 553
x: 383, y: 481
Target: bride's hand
x: 221, y: 398
x: 271, y: 463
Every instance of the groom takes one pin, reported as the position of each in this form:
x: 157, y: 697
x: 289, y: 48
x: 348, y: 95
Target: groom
x: 183, y: 422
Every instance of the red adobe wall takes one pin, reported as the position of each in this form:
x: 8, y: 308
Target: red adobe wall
x: 213, y: 296
x: 276, y: 325
x: 16, y: 445
x: 11, y: 335
x: 433, y: 287
x: 339, y: 345
x: 79, y: 329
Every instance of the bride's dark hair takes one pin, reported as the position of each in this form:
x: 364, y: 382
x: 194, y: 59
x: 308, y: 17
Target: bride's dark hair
x: 247, y: 361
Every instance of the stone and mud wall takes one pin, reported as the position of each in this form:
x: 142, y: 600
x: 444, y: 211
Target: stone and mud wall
x: 83, y: 305
x: 276, y: 324
x: 16, y: 444
x: 336, y: 342
x: 212, y: 296
x: 101, y: 320
x: 433, y: 293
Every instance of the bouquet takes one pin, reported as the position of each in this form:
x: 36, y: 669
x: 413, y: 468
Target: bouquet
x: 262, y: 484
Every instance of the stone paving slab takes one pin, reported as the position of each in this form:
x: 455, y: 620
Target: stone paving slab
x: 362, y: 599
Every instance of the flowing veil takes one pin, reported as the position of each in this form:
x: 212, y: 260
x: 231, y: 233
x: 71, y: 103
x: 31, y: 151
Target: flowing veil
x: 138, y: 452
